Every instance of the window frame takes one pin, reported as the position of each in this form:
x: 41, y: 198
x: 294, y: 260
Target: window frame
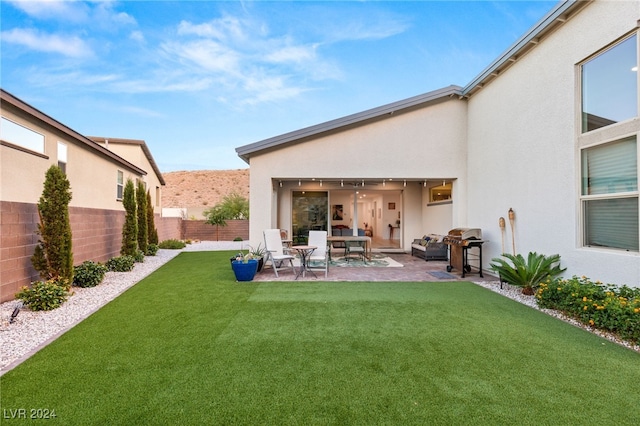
x: 600, y: 137
x: 119, y: 185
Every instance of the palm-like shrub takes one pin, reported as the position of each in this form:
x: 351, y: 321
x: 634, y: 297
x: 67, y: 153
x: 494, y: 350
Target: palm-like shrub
x: 527, y: 273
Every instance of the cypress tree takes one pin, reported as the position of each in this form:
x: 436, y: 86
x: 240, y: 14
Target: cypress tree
x: 141, y: 199
x: 53, y: 256
x: 152, y: 232
x: 130, y: 228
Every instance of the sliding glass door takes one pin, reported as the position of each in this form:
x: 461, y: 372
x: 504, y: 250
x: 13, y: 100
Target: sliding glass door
x: 310, y: 211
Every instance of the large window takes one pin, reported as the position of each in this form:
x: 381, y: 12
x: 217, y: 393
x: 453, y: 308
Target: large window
x: 19, y: 135
x: 610, y: 86
x: 610, y: 195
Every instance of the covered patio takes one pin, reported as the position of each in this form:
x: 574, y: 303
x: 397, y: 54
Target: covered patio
x: 412, y: 269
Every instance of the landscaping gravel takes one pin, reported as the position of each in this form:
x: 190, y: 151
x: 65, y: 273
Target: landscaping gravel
x: 32, y: 330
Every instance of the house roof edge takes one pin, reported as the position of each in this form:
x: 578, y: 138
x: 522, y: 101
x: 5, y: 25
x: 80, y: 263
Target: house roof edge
x: 245, y: 151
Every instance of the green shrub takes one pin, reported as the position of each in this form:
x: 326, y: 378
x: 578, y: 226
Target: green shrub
x: 88, y: 274
x: 152, y: 249
x: 607, y: 307
x: 172, y: 244
x: 237, y: 239
x: 139, y: 256
x: 121, y: 263
x: 528, y: 273
x: 45, y: 295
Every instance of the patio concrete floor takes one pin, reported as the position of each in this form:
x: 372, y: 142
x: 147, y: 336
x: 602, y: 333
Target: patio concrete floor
x: 413, y: 269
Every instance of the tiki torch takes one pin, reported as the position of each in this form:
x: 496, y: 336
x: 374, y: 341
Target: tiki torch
x: 502, y: 231
x: 512, y: 218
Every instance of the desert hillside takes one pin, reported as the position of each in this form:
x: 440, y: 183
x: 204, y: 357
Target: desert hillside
x: 203, y: 188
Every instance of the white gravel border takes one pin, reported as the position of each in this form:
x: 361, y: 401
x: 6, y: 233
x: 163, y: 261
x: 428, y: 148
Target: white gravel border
x: 31, y: 330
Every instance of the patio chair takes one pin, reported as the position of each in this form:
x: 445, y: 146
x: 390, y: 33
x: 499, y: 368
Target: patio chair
x: 277, y: 254
x: 356, y: 247
x: 319, y: 259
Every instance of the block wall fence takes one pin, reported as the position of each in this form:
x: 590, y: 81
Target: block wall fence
x: 97, y: 235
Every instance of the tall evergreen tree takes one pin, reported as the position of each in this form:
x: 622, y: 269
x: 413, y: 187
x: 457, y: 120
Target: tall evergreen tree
x: 151, y: 224
x: 53, y: 256
x: 141, y: 200
x: 130, y: 228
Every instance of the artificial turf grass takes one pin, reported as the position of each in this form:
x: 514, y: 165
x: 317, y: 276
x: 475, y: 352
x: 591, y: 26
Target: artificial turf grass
x: 189, y: 345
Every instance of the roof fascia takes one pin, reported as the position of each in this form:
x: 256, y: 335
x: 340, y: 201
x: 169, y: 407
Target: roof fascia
x: 245, y: 151
x: 49, y: 121
x: 555, y: 17
x: 143, y: 145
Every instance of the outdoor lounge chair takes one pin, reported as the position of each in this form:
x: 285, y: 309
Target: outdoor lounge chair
x: 319, y: 259
x: 276, y: 252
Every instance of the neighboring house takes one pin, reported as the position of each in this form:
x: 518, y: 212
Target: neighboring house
x: 549, y: 129
x: 30, y: 142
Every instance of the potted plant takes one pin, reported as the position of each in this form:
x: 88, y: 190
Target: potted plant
x: 244, y: 267
x: 258, y: 254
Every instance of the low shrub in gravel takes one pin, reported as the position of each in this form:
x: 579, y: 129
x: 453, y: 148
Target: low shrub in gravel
x: 88, y: 274
x: 172, y: 244
x: 606, y: 307
x: 121, y: 263
x: 152, y: 249
x: 139, y: 256
x: 44, y: 295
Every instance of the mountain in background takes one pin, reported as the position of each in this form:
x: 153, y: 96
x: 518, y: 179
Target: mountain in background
x: 202, y: 189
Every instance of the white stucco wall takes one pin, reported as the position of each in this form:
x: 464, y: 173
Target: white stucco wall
x: 523, y: 147
x: 421, y: 144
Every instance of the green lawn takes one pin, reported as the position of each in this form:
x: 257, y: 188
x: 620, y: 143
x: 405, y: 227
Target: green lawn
x: 188, y: 345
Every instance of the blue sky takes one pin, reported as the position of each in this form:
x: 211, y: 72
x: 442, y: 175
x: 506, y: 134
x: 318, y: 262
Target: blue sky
x: 196, y: 79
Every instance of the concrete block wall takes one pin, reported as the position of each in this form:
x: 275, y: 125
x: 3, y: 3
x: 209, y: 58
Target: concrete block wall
x: 200, y: 230
x: 18, y: 224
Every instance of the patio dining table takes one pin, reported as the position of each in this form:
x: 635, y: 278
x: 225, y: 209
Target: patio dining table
x: 349, y: 238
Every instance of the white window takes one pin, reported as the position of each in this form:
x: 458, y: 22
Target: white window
x: 610, y: 195
x: 62, y: 156
x: 609, y: 166
x: 120, y: 185
x: 19, y: 135
x: 610, y: 86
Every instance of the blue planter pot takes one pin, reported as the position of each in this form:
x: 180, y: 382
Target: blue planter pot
x: 245, y: 271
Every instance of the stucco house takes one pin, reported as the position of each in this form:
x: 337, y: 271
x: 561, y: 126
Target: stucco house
x: 30, y: 142
x: 549, y: 128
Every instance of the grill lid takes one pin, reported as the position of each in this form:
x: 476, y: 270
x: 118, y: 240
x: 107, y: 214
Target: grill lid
x: 466, y: 233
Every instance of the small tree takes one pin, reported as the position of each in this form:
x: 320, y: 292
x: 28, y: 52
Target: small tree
x: 130, y: 228
x: 235, y: 206
x: 53, y: 257
x: 152, y: 232
x: 215, y: 216
x: 141, y: 200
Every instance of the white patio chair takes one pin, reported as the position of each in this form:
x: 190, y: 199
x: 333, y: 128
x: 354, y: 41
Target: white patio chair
x: 276, y: 253
x: 319, y: 259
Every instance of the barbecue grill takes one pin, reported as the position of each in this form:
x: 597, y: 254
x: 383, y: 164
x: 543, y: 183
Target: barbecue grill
x: 460, y: 242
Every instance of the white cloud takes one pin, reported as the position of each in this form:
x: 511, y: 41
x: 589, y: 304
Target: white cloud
x: 296, y: 54
x: 227, y: 28
x: 71, y: 46
x: 98, y: 13
x: 137, y: 36
x: 208, y: 55
x: 73, y: 11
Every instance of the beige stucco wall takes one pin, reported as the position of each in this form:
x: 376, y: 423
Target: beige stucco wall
x: 92, y: 177
x: 421, y: 144
x: 523, y: 147
x: 134, y: 154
